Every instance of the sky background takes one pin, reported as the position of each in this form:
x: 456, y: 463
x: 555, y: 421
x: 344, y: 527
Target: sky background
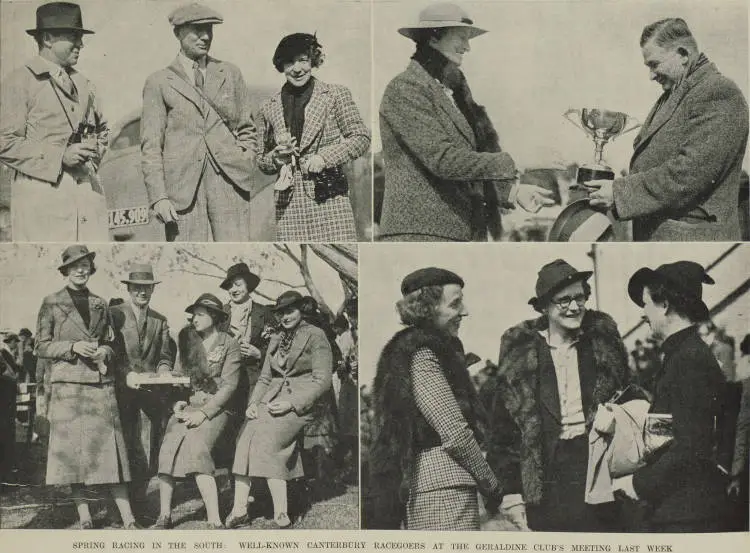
x: 500, y: 279
x: 540, y: 58
x: 134, y: 38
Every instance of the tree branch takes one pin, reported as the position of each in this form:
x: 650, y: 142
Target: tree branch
x: 200, y: 258
x: 284, y: 283
x: 188, y: 271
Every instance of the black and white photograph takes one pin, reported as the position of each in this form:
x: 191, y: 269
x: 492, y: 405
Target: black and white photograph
x: 187, y: 387
x: 171, y: 120
x: 560, y: 121
x: 595, y: 388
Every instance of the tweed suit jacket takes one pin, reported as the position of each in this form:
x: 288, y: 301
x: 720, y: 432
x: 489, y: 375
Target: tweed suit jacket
x: 430, y: 160
x: 308, y: 373
x: 687, y: 160
x: 181, y: 133
x: 259, y: 317
x: 333, y: 128
x: 144, y: 347
x: 59, y: 326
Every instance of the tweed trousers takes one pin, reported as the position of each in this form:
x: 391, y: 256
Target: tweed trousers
x: 220, y: 212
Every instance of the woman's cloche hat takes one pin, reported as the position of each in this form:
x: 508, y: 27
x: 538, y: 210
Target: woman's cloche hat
x: 290, y: 298
x: 75, y: 253
x: 241, y: 270
x: 553, y: 277
x: 684, y: 277
x: 210, y: 302
x: 441, y: 15
x: 59, y: 16
x: 140, y: 274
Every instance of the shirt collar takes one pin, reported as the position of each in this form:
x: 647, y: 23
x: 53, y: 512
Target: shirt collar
x: 187, y: 63
x: 546, y: 336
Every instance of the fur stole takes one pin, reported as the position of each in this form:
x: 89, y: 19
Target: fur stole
x: 516, y: 384
x: 398, y: 424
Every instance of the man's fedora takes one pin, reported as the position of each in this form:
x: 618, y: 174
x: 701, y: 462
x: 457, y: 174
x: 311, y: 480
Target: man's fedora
x: 684, y: 277
x: 140, y: 274
x: 241, y: 270
x: 210, y: 302
x: 73, y: 254
x: 552, y: 278
x: 57, y: 16
x: 438, y: 16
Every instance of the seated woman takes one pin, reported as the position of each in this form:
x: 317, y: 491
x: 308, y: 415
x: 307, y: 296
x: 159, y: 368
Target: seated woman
x: 212, y: 360
x: 86, y: 444
x: 310, y: 130
x: 296, y: 374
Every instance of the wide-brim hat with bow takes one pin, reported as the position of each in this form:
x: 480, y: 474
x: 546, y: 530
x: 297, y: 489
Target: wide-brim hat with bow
x: 241, y: 270
x: 684, y: 277
x: 439, y: 16
x: 140, y: 274
x: 288, y: 299
x: 552, y: 278
x: 209, y: 302
x: 75, y: 253
x: 59, y: 16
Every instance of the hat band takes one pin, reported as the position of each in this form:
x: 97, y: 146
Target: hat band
x: 426, y: 22
x: 208, y: 303
x: 141, y: 276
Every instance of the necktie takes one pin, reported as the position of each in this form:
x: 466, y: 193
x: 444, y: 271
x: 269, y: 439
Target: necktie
x: 199, y: 80
x: 66, y: 83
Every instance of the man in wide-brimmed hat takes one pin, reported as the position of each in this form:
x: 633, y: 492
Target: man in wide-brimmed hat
x: 198, y: 140
x: 144, y: 346
x: 53, y: 134
x: 683, y: 487
x: 553, y: 373
x: 446, y: 177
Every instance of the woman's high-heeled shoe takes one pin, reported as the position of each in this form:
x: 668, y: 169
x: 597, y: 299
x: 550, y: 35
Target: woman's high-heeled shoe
x: 282, y: 520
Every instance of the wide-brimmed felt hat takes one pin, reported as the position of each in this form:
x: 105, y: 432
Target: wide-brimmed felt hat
x: 429, y: 276
x: 685, y: 277
x: 553, y: 277
x: 56, y: 16
x: 73, y: 254
x: 241, y: 270
x: 140, y: 274
x: 438, y: 16
x: 291, y: 46
x: 9, y: 336
x: 210, y: 302
x: 196, y: 14
x: 290, y: 298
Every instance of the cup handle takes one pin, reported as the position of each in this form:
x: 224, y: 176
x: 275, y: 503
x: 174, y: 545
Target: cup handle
x: 578, y: 113
x: 634, y: 124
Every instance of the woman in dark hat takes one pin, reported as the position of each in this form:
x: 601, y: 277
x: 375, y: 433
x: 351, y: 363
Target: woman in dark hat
x: 311, y: 129
x: 682, y: 485
x: 86, y: 443
x: 426, y: 464
x: 212, y: 360
x: 296, y: 373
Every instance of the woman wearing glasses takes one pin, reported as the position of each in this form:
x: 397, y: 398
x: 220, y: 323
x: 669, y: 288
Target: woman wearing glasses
x: 553, y: 373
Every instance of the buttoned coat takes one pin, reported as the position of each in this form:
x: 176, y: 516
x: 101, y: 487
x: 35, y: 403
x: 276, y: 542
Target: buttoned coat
x: 181, y: 132
x: 682, y: 484
x: 687, y: 160
x: 142, y: 348
x: 59, y: 326
x: 431, y: 163
x: 334, y: 130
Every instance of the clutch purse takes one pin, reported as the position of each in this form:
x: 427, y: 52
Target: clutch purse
x: 657, y: 434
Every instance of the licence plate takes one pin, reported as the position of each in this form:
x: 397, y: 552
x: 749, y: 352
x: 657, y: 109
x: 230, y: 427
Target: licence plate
x: 128, y: 217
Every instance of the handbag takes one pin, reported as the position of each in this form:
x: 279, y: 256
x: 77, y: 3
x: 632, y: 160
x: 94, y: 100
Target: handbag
x: 658, y: 433
x: 329, y: 183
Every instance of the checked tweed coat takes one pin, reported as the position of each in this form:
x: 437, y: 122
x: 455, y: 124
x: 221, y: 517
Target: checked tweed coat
x: 333, y: 129
x: 431, y: 162
x: 687, y: 161
x: 525, y: 415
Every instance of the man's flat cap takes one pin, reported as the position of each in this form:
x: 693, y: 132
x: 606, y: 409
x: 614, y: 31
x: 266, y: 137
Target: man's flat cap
x: 196, y: 14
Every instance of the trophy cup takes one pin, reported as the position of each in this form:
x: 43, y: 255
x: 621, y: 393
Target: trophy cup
x: 601, y: 125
